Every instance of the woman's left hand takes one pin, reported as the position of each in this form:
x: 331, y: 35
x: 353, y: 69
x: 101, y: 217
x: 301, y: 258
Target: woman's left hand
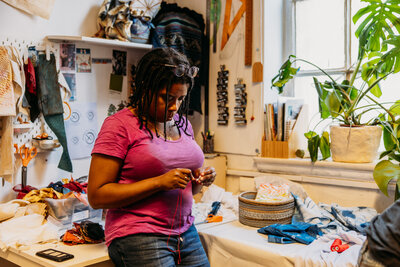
x: 204, y: 176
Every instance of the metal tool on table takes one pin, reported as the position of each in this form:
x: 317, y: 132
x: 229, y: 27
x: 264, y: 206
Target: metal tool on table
x: 26, y: 155
x: 212, y: 215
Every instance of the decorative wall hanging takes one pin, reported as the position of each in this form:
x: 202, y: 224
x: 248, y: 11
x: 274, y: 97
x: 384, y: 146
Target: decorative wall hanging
x: 222, y: 96
x: 240, y: 103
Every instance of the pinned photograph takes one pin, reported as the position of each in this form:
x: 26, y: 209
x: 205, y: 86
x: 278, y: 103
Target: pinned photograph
x: 70, y: 78
x: 67, y: 57
x: 119, y: 62
x: 83, y: 60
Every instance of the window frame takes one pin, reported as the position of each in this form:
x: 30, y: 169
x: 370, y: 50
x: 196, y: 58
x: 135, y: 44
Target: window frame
x: 290, y: 30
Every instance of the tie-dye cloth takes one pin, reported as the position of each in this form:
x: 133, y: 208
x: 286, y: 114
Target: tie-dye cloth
x: 332, y: 218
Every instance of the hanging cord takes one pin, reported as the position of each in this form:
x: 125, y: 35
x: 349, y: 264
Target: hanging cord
x: 178, y: 206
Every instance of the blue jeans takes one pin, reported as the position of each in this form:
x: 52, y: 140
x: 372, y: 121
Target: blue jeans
x: 152, y: 250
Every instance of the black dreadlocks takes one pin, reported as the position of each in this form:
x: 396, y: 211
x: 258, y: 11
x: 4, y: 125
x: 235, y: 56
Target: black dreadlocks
x: 152, y: 76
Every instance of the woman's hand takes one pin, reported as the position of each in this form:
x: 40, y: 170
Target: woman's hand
x: 175, y: 179
x: 204, y: 176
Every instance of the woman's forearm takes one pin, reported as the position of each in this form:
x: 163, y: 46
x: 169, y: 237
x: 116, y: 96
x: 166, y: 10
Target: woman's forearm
x: 115, y: 195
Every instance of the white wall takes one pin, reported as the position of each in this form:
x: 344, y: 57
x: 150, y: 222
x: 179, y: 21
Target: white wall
x: 240, y: 143
x: 70, y: 17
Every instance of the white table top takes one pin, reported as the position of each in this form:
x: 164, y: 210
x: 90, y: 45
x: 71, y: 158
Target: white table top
x: 233, y: 244
x: 84, y: 255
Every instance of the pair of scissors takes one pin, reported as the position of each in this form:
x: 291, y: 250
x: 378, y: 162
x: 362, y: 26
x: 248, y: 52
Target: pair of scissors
x: 212, y: 215
x: 26, y: 154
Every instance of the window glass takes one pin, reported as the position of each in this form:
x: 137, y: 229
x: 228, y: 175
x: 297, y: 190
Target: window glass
x: 305, y: 89
x: 320, y: 31
x: 355, y: 6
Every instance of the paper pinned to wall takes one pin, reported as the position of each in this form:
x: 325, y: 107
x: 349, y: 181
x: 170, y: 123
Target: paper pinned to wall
x: 81, y: 129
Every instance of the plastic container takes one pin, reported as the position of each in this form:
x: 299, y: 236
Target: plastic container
x: 82, y: 212
x: 64, y: 212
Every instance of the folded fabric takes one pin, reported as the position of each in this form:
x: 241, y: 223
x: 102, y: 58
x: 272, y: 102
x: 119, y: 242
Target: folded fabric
x: 273, y: 193
x: 304, y: 233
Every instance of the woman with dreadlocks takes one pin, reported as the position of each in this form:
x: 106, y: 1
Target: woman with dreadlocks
x: 146, y: 167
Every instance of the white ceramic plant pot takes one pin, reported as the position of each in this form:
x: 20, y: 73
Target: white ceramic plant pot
x: 355, y: 144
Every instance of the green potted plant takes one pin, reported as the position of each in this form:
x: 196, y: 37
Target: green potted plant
x: 378, y: 57
x: 388, y: 168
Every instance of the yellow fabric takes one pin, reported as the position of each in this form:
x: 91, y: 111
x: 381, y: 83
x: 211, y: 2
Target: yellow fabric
x: 39, y: 195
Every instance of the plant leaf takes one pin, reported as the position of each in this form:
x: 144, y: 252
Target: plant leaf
x: 384, y: 172
x: 313, y: 144
x: 325, y: 145
x: 286, y: 73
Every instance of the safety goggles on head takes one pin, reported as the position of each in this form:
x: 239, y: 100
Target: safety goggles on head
x: 181, y: 69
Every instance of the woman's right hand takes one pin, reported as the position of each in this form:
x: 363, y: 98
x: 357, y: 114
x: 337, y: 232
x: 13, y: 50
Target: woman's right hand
x: 175, y: 179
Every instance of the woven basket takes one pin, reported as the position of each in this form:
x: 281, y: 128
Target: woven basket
x: 259, y: 214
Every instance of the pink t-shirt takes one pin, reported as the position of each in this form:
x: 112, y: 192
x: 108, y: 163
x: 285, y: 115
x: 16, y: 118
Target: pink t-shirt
x: 145, y: 157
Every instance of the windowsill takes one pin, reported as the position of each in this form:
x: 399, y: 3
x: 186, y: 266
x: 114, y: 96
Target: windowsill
x: 329, y: 169
x: 358, y: 175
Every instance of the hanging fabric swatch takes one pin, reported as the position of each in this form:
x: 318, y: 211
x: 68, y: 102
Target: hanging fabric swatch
x: 7, y: 111
x: 51, y: 105
x: 183, y: 30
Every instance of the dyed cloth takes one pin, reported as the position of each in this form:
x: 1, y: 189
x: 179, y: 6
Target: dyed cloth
x: 183, y: 30
x: 31, y: 91
x: 85, y: 232
x: 384, y: 236
x: 51, y: 105
x: 144, y: 157
x: 304, y: 233
x: 331, y: 218
x: 273, y: 193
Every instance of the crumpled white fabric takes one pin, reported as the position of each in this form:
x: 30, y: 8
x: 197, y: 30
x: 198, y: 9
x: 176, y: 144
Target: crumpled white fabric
x: 229, y: 204
x: 26, y: 231
x: 8, y: 209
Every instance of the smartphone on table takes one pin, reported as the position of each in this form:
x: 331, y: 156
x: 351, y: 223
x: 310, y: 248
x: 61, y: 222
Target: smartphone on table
x: 55, y: 255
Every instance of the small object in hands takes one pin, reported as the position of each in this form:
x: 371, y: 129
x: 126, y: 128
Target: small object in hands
x: 212, y: 214
x: 55, y: 255
x: 338, y: 247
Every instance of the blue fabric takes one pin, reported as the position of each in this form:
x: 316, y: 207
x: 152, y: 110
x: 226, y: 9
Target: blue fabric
x: 331, y: 218
x: 304, y: 233
x: 153, y: 250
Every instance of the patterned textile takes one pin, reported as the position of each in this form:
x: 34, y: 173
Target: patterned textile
x: 7, y: 104
x: 51, y: 105
x: 183, y: 30
x: 332, y: 218
x: 304, y: 233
